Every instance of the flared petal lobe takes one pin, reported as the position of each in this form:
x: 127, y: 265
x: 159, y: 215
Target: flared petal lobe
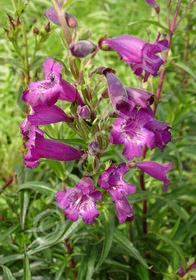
x: 124, y: 210
x: 80, y: 201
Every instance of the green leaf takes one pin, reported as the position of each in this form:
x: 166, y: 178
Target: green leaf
x: 27, y: 271
x: 125, y: 243
x: 172, y: 146
x: 20, y: 10
x: 185, y: 68
x: 20, y: 104
x: 91, y: 263
x: 24, y: 198
x: 58, y: 168
x: 175, y: 247
x: 7, y: 273
x: 11, y: 258
x: 41, y: 187
x: 150, y: 22
x: 8, y: 232
x: 108, y: 235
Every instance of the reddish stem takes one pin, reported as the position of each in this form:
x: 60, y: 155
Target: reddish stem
x: 7, y: 184
x: 187, y: 270
x: 72, y: 263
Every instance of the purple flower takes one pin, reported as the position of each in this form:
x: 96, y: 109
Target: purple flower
x: 156, y: 170
x: 80, y: 201
x: 112, y: 180
x: 162, y: 135
x: 153, y: 4
x: 43, y: 114
x: 139, y: 54
x: 39, y: 147
x: 82, y: 48
x: 123, y: 210
x: 132, y: 133
x: 51, y: 15
x: 84, y: 112
x: 51, y: 89
x: 24, y: 128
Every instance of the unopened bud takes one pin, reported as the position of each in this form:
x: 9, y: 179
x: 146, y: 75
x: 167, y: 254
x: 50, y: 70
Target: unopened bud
x: 35, y: 30
x: 51, y: 15
x: 18, y: 22
x: 105, y: 93
x: 153, y: 4
x: 71, y: 20
x: 83, y: 34
x: 93, y: 148
x: 82, y: 48
x: 47, y: 27
x: 84, y: 112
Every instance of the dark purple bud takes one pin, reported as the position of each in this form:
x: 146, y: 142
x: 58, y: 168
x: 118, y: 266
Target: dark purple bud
x: 153, y: 4
x: 84, y: 112
x: 51, y: 15
x: 71, y: 20
x: 18, y: 22
x: 82, y: 48
x: 93, y: 148
x: 35, y: 30
x: 47, y: 27
x: 105, y: 93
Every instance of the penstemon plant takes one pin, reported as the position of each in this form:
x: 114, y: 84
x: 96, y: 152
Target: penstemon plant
x: 105, y: 143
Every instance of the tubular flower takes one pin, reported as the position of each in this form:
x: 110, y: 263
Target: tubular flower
x: 82, y: 48
x: 43, y: 114
x: 80, y: 201
x: 123, y: 210
x: 156, y: 170
x: 117, y: 92
x: 51, y: 89
x: 132, y: 133
x: 112, y: 180
x: 39, y: 147
x: 138, y: 54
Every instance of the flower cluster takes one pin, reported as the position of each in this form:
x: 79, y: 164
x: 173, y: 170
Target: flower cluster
x: 134, y: 126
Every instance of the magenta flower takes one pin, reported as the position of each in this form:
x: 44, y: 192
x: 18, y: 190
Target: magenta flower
x: 123, y: 210
x: 132, y: 133
x: 139, y: 98
x: 39, y: 147
x: 80, y: 201
x: 51, y: 89
x: 138, y: 54
x: 43, y: 114
x: 156, y: 170
x: 51, y: 15
x: 112, y: 180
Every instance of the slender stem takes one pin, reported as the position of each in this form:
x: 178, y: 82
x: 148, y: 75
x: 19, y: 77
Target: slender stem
x: 25, y: 54
x: 7, y: 184
x: 72, y: 263
x: 158, y: 93
x: 61, y: 15
x: 179, y: 21
x: 193, y: 265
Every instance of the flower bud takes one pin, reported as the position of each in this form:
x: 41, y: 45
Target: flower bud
x: 51, y: 15
x: 47, y: 27
x: 71, y: 20
x: 35, y: 30
x: 84, y: 112
x: 82, y: 48
x: 93, y: 148
x: 153, y: 4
